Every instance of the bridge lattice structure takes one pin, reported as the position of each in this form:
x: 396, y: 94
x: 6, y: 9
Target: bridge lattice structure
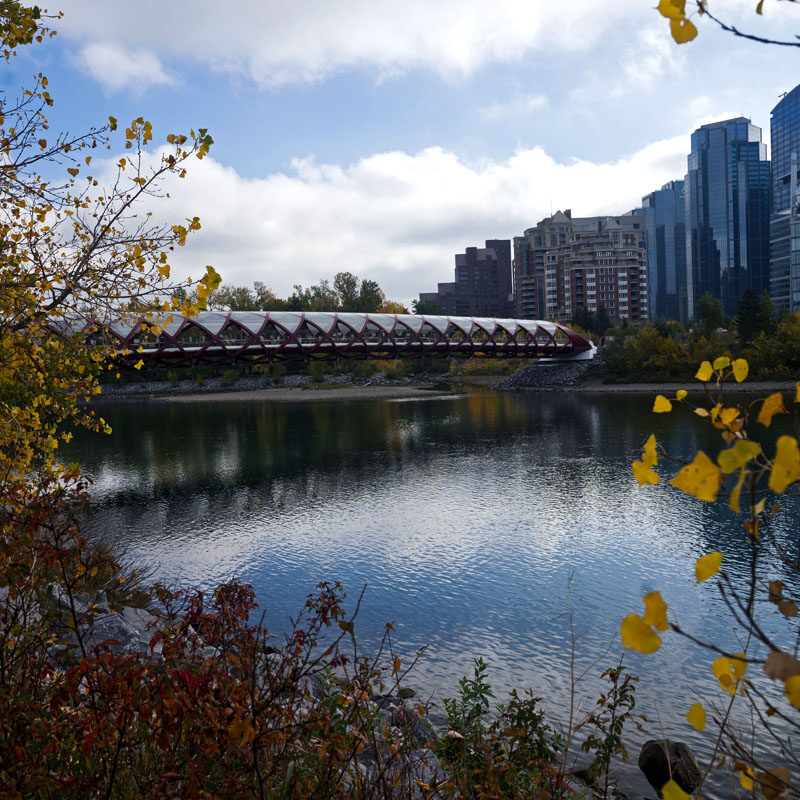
x: 212, y: 337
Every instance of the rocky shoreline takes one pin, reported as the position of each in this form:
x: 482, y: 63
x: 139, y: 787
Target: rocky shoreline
x: 575, y: 376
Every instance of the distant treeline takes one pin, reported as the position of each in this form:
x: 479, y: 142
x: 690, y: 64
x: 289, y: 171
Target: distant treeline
x: 346, y: 293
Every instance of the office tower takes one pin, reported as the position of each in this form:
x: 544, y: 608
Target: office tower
x: 727, y: 212
x: 665, y: 226
x: 784, y: 229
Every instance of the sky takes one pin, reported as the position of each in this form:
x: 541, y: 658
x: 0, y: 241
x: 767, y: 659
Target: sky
x: 382, y: 137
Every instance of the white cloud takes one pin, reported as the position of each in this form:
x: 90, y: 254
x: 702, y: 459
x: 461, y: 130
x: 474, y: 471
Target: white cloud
x: 520, y: 105
x: 651, y: 56
x: 395, y: 217
x: 275, y: 42
x: 117, y: 68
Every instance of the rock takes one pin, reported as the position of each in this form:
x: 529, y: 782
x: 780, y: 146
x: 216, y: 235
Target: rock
x: 424, y: 767
x: 404, y: 693
x: 660, y: 757
x: 407, y: 717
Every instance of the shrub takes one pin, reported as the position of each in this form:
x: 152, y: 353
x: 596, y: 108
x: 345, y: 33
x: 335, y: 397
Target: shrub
x: 172, y: 377
x: 229, y: 377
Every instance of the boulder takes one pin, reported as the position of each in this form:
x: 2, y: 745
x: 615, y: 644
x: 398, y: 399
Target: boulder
x: 661, y: 759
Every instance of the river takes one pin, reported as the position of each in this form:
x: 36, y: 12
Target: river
x: 466, y: 516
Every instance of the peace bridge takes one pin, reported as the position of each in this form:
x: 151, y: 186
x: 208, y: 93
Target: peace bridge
x: 213, y: 337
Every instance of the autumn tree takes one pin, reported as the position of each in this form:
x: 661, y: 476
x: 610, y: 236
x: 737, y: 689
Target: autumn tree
x: 76, y: 249
x: 757, y: 475
x: 683, y: 28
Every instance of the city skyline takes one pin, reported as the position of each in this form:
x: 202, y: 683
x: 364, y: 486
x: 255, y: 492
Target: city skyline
x: 389, y: 137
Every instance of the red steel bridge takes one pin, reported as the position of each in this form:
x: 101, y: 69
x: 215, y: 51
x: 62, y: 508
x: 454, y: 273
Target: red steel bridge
x: 213, y: 337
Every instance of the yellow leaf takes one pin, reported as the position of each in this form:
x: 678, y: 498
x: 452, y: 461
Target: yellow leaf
x: 139, y: 364
x: 736, y: 492
x: 737, y: 456
x: 705, y: 372
x: 680, y: 394
x: 707, y: 565
x: 656, y: 611
x: 797, y: 393
x: 241, y: 730
x: 715, y: 411
x: 746, y: 779
x: 721, y: 363
x: 760, y: 7
x: 792, y: 690
x: 771, y: 406
x: 672, y: 9
x: 649, y: 455
x: 786, y: 467
x: 638, y: 636
x: 697, y: 717
x: 701, y: 412
x: 740, y: 369
x: 643, y: 474
x: 661, y: 405
x: 728, y: 415
x: 671, y: 791
x: 73, y: 171
x: 728, y: 671
x: 700, y: 479
x: 682, y: 30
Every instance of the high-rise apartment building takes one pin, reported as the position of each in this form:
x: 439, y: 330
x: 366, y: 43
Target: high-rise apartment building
x: 665, y: 225
x: 784, y: 229
x: 727, y: 212
x: 482, y: 286
x: 567, y: 263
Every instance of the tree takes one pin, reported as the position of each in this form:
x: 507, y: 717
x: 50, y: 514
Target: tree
x: 370, y: 296
x: 346, y: 286
x: 73, y: 252
x: 760, y: 594
x: 684, y: 30
x: 392, y: 307
x: 602, y: 321
x: 423, y: 307
x: 583, y: 318
x: 709, y: 314
x: 748, y: 316
x: 767, y: 319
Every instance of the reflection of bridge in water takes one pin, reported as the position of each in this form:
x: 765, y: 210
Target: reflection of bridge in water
x: 214, y: 337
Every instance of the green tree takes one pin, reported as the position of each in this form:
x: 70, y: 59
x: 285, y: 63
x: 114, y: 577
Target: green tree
x: 602, y: 322
x: 748, y: 316
x: 346, y: 286
x: 370, y: 296
x: 429, y: 307
x: 583, y: 318
x: 709, y: 314
x: 767, y: 319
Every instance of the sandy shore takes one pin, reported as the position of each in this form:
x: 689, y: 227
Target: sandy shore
x: 427, y: 391
x: 296, y: 394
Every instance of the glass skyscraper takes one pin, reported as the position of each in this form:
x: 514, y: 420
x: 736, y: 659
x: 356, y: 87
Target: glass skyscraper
x: 727, y: 212
x: 785, y: 219
x: 665, y: 225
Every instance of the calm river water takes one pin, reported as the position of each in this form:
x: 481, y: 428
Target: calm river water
x: 465, y: 515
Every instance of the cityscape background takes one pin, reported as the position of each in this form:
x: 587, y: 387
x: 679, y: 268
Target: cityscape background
x: 731, y: 223
x: 383, y: 138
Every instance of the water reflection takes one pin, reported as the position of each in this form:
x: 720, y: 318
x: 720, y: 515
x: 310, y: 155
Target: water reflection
x: 465, y: 516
